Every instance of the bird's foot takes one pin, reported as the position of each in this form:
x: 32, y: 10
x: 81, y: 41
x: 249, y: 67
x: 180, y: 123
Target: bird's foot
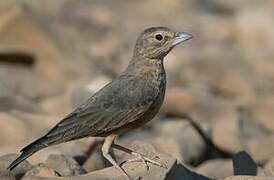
x: 145, y: 159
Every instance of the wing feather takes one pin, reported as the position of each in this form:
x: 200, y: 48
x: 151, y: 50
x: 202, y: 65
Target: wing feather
x: 112, y: 107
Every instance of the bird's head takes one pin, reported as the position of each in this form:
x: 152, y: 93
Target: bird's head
x: 156, y: 42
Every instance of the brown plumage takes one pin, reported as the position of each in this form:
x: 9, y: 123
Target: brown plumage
x: 126, y: 103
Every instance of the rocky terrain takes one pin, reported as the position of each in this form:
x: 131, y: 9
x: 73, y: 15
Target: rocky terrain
x: 217, y: 121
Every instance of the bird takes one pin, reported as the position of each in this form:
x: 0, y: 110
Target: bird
x: 128, y: 102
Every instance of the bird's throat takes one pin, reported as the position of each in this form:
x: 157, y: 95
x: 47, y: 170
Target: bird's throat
x: 146, y: 65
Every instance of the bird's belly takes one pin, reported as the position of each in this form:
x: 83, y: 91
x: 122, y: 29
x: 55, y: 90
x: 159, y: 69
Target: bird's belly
x: 149, y: 115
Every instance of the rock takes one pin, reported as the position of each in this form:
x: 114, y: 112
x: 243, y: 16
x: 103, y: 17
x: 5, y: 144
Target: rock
x: 170, y: 146
x: 48, y: 61
x: 261, y: 149
x: 85, y: 89
x: 191, y: 144
x: 134, y: 169
x: 21, y: 128
x: 95, y: 161
x: 249, y: 126
x: 226, y: 133
x: 18, y: 172
x: 10, y: 101
x: 216, y: 168
x: 89, y: 144
x: 247, y: 32
x: 69, y: 150
x: 238, y: 87
x: 144, y: 148
x: 179, y: 101
x: 14, y: 130
x: 42, y: 170
x: 64, y: 165
x: 262, y: 112
x: 58, y: 106
x: 6, y: 5
x: 7, y: 176
x: 16, y: 57
x: 269, y: 167
x: 21, y: 79
x: 213, y: 110
x: 249, y: 178
x: 243, y: 164
x: 184, y: 173
x: 226, y: 82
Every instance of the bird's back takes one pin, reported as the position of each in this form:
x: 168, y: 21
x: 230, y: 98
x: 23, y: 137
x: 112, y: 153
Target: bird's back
x: 128, y: 98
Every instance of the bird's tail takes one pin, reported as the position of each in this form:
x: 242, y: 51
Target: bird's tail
x: 28, y: 151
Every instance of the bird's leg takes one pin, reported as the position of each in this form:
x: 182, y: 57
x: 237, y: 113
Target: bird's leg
x: 139, y: 156
x: 105, y: 150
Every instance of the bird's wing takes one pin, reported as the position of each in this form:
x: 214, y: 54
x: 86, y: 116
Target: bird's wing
x: 117, y: 104
x: 114, y: 106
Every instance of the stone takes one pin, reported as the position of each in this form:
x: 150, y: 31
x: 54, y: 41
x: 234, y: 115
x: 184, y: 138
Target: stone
x: 69, y: 149
x: 247, y: 32
x: 211, y: 110
x: 250, y: 127
x: 48, y: 61
x: 64, y: 165
x: 269, y: 167
x: 249, y: 178
x: 226, y: 133
x: 216, y: 168
x: 95, y: 161
x: 243, y: 164
x: 135, y: 170
x: 21, y: 128
x: 21, y: 79
x: 58, y: 106
x: 85, y: 89
x: 261, y: 149
x: 16, y: 57
x: 263, y: 112
x: 10, y: 101
x: 16, y: 173
x: 192, y: 146
x: 144, y: 148
x: 179, y: 101
x: 184, y: 173
x: 42, y: 170
x: 10, y: 132
x: 169, y: 146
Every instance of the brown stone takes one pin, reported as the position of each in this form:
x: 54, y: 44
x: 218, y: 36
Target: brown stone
x: 216, y: 169
x: 42, y: 170
x: 15, y: 31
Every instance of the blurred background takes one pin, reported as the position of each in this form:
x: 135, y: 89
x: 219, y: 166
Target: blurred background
x: 55, y: 54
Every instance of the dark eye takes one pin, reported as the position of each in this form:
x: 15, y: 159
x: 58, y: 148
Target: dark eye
x: 159, y: 37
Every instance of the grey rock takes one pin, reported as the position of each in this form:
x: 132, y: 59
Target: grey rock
x: 216, y: 169
x: 42, y: 170
x: 191, y: 144
x: 183, y: 173
x: 95, y: 161
x: 65, y: 165
x: 249, y: 178
x: 86, y: 88
x: 21, y: 80
x: 243, y: 164
x: 11, y: 101
x: 136, y: 170
x: 17, y: 172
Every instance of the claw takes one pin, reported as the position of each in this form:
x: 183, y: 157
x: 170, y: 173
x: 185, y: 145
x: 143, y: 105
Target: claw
x: 145, y: 160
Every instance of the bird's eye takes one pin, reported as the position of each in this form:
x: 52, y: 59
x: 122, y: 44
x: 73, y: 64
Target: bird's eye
x: 159, y: 37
